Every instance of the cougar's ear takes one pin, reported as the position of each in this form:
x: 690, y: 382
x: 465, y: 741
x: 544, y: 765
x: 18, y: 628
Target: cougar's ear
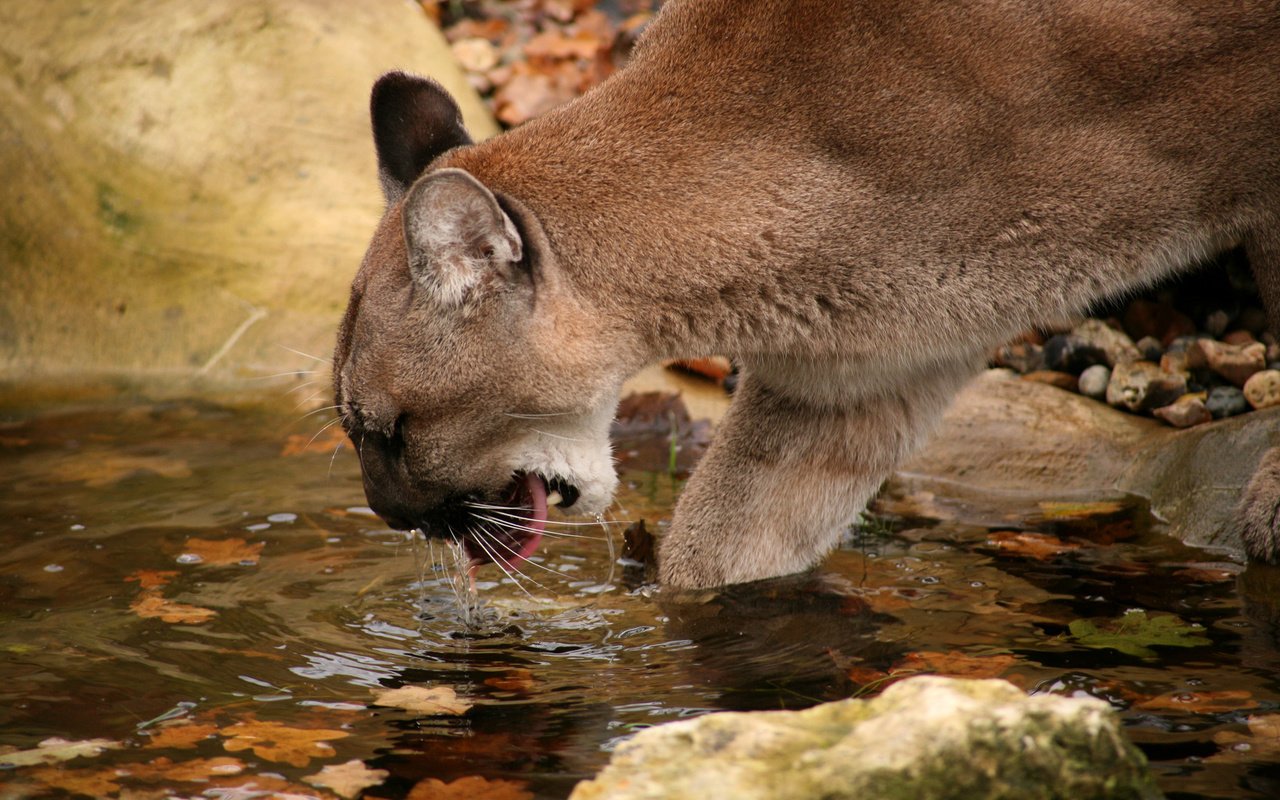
x: 414, y: 120
x: 456, y: 232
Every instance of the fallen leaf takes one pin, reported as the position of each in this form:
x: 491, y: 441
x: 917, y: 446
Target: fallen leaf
x: 151, y: 605
x: 348, y: 779
x: 1260, y: 744
x: 152, y: 578
x: 104, y: 470
x: 100, y: 782
x: 714, y: 369
x: 182, y: 736
x: 1040, y: 546
x: 555, y: 44
x: 469, y: 788
x: 955, y: 664
x: 224, y: 552
x: 325, y: 442
x: 866, y: 676
x: 276, y: 742
x: 516, y: 680
x: 424, y: 700
x: 1200, y: 574
x: 1135, y: 633
x: 197, y: 769
x: 1200, y: 702
x: 55, y: 749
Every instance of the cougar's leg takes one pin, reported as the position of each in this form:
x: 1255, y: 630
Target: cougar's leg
x: 1260, y: 503
x: 785, y: 476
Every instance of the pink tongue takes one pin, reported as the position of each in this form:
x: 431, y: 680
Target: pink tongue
x: 538, y: 521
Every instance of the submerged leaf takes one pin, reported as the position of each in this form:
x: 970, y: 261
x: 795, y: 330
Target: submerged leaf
x: 1135, y: 633
x: 55, y: 749
x: 469, y: 788
x: 348, y: 779
x: 151, y: 605
x: 424, y: 700
x: 276, y: 742
x: 224, y: 552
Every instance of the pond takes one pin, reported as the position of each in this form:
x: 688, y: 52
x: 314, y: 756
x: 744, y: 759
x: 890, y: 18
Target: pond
x: 195, y: 602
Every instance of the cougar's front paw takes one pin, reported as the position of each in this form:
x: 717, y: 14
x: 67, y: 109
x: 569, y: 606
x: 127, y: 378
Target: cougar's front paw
x: 1260, y: 510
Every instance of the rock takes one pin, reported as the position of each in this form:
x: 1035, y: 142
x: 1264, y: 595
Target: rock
x: 1070, y: 353
x: 924, y: 738
x: 1215, y: 324
x: 1233, y: 362
x: 1262, y: 390
x: 1021, y: 357
x: 1184, y: 412
x: 1117, y: 346
x: 1005, y: 442
x: 1162, y: 321
x: 189, y: 188
x: 1239, y: 337
x: 1063, y: 380
x: 1273, y: 352
x: 1226, y: 401
x: 1093, y: 382
x: 1150, y: 348
x: 1142, y: 386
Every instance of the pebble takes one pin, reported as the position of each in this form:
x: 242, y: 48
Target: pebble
x: 1184, y: 412
x: 1239, y: 337
x: 1262, y: 390
x: 1117, y: 345
x: 1150, y: 348
x: 1070, y: 353
x: 1216, y: 323
x: 1233, y: 362
x: 1226, y: 401
x: 1093, y: 382
x: 1063, y: 380
x: 1142, y: 386
x: 1021, y: 357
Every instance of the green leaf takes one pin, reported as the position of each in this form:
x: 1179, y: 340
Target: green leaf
x: 1135, y: 633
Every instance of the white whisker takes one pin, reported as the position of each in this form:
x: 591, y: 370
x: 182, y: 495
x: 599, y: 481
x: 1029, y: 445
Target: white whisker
x: 556, y: 435
x: 478, y: 537
x: 515, y: 415
x: 306, y: 355
x: 283, y: 374
x: 527, y: 529
x: 326, y: 427
x: 514, y: 552
x: 313, y: 412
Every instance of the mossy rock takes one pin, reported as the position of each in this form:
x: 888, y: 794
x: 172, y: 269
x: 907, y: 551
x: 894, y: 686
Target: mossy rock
x: 189, y: 187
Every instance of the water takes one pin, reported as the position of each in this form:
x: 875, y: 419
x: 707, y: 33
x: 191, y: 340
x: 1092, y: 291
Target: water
x: 203, y: 591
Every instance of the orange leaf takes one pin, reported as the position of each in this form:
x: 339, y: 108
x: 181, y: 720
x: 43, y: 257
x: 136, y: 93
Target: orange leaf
x: 1040, y: 546
x: 516, y: 680
x: 152, y: 578
x: 90, y: 782
x: 197, y: 769
x: 469, y: 788
x: 224, y: 552
x: 956, y: 664
x: 423, y: 700
x: 182, y: 736
x: 276, y: 742
x: 326, y: 442
x: 348, y: 779
x: 149, y: 605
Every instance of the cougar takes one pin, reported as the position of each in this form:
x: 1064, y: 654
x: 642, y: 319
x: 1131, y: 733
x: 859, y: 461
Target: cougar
x: 854, y: 200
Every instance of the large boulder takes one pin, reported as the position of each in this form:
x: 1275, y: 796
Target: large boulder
x: 188, y: 187
x: 925, y: 738
x: 1006, y: 440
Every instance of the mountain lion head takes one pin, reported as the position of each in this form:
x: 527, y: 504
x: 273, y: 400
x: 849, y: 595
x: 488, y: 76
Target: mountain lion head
x: 472, y: 384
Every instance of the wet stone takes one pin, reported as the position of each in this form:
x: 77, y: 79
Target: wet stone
x: 1226, y: 401
x: 1150, y: 348
x: 1262, y: 390
x: 1215, y: 324
x: 1062, y: 380
x: 1184, y: 412
x: 1021, y: 357
x: 1070, y: 353
x: 1142, y: 386
x: 1239, y: 338
x: 1093, y: 382
x: 1159, y: 320
x: 1117, y: 345
x: 1233, y: 362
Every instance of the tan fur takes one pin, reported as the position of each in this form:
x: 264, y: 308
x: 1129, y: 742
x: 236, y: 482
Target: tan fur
x: 854, y: 200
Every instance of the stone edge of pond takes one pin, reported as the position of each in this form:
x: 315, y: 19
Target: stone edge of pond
x: 924, y: 738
